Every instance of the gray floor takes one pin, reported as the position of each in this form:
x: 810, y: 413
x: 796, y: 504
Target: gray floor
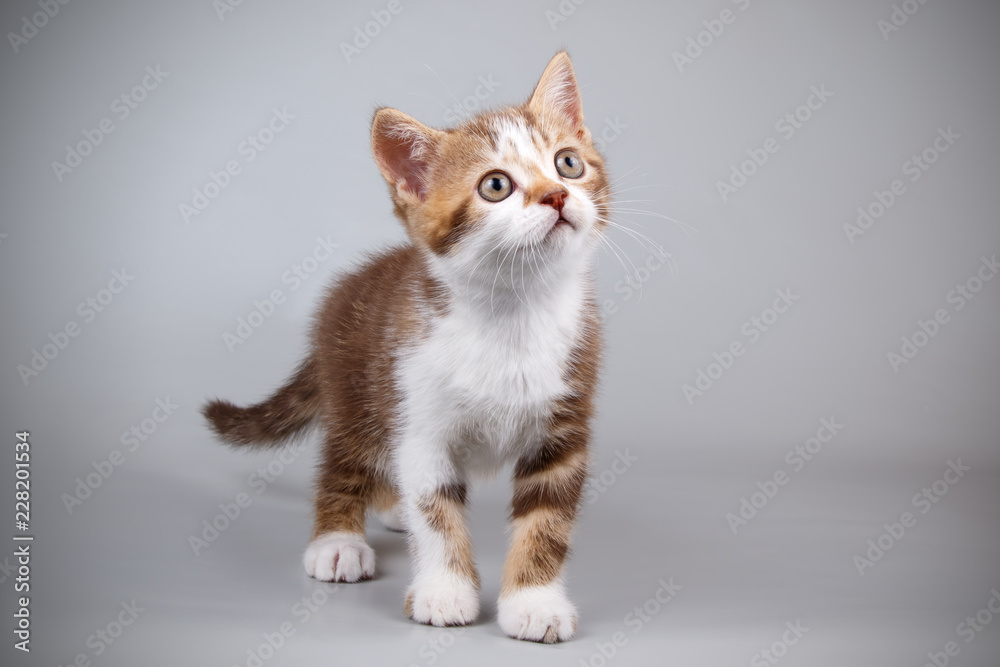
x: 658, y: 530
x: 672, y: 132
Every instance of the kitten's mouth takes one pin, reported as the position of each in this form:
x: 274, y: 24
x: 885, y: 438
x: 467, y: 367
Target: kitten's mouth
x: 560, y: 223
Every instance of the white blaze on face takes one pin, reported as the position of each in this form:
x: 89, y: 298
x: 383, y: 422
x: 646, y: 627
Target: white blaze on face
x: 529, y: 162
x: 513, y: 249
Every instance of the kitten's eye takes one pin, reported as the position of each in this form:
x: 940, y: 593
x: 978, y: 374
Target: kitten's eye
x: 569, y: 164
x: 495, y: 187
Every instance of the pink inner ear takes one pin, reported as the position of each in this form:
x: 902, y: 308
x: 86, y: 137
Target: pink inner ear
x: 558, y: 91
x: 401, y: 151
x: 564, y: 96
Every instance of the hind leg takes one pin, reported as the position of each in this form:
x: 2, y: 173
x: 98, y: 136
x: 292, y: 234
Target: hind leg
x: 389, y: 510
x: 344, y: 490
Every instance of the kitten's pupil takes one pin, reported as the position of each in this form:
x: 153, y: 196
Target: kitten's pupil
x: 497, y: 185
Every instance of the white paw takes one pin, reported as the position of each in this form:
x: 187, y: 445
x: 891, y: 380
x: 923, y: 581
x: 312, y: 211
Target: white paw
x: 537, y: 614
x: 392, y: 519
x: 339, y: 557
x: 443, y: 602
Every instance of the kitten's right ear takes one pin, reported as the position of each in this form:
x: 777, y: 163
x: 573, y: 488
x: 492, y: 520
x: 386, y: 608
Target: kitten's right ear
x: 403, y: 149
x: 558, y: 93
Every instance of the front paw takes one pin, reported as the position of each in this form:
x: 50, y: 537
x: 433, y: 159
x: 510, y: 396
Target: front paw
x: 339, y: 557
x: 442, y: 602
x: 538, y: 614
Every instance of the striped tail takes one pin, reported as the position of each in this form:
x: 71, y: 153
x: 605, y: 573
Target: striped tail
x: 285, y: 414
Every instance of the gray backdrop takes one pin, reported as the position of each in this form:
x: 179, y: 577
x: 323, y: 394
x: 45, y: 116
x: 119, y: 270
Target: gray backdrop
x: 797, y: 447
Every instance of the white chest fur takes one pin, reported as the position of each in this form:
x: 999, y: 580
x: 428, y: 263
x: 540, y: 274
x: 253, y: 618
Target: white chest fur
x: 482, y: 383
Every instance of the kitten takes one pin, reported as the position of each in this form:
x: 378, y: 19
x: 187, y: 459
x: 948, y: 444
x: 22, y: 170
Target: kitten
x: 475, y: 345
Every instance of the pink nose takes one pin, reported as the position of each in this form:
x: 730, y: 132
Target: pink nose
x: 555, y: 198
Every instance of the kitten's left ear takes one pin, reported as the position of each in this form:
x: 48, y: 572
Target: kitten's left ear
x: 558, y: 93
x: 403, y: 149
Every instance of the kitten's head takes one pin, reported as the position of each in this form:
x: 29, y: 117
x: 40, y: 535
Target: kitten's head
x: 520, y: 181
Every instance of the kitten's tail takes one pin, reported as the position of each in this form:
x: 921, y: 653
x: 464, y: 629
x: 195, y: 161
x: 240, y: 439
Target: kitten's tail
x: 286, y: 413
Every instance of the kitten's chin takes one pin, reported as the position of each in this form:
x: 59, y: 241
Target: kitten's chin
x: 561, y: 227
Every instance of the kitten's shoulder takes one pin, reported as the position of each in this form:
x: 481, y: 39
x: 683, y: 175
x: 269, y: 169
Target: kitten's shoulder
x: 383, y: 270
x: 385, y: 285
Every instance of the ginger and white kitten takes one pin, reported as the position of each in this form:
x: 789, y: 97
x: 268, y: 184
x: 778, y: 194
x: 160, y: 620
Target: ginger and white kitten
x: 474, y: 346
